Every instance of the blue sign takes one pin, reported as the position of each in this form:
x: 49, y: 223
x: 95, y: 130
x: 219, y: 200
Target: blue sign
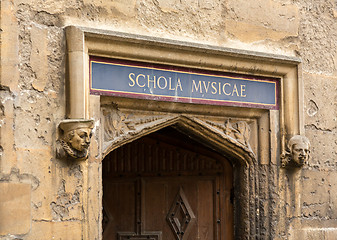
x: 176, y: 84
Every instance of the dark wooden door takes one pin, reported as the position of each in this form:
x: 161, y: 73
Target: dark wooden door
x: 169, y: 187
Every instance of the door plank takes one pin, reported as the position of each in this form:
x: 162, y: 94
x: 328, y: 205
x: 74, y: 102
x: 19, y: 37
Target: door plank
x: 206, y: 210
x: 120, y: 203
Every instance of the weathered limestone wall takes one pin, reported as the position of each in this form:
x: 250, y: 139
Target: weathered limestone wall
x: 32, y: 100
x: 317, y: 47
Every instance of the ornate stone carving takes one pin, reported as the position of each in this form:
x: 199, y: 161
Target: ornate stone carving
x: 240, y: 131
x: 75, y: 138
x: 297, y: 152
x: 114, y: 125
x: 120, y: 126
x: 117, y: 124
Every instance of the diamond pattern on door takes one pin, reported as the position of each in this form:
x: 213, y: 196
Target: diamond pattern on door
x: 180, y: 216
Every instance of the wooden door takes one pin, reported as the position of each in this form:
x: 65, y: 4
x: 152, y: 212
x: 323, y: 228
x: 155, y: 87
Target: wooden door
x: 166, y: 186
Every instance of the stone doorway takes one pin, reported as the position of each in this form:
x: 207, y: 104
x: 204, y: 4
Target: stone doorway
x: 167, y: 186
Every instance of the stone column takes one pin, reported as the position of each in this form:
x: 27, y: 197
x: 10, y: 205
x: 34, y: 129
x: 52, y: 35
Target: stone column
x: 75, y: 131
x: 77, y: 86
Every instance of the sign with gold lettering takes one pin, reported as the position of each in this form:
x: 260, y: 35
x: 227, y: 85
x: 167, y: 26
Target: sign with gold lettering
x: 177, y: 84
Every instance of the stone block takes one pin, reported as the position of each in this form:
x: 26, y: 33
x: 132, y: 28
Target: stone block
x: 317, y: 51
x: 8, y: 155
x: 9, y: 46
x: 318, y: 223
x: 316, y: 233
x: 262, y: 19
x: 320, y: 102
x: 38, y: 57
x: 33, y: 122
x: 15, y: 208
x: 315, y: 188
x: 169, y: 5
x: 119, y: 7
x: 50, y: 6
x: 316, y: 211
x: 208, y: 4
x: 70, y: 230
x: 333, y: 195
x: 37, y: 163
x: 323, y: 148
x: 331, y: 234
x: 313, y: 234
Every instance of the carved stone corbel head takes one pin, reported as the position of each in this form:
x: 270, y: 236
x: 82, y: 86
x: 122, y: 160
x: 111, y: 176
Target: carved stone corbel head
x: 297, y: 153
x: 75, y: 138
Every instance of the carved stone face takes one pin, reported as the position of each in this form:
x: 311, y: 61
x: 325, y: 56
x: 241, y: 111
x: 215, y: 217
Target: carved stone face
x: 300, y: 153
x: 80, y: 139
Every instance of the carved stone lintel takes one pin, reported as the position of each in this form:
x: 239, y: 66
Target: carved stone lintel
x: 297, y: 153
x: 238, y: 131
x: 118, y: 125
x: 75, y: 137
x: 121, y: 126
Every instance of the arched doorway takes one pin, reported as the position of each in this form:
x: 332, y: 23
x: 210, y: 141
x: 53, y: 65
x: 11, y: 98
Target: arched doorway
x: 167, y: 186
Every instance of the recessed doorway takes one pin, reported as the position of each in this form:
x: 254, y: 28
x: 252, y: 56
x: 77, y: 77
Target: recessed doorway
x: 167, y: 186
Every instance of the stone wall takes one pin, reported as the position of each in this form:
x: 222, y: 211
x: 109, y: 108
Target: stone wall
x: 33, y: 99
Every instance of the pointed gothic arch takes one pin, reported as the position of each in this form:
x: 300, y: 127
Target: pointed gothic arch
x: 229, y: 138
x: 172, y: 160
x: 224, y: 138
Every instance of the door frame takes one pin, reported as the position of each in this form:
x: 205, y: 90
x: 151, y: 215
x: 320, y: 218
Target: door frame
x: 257, y: 177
